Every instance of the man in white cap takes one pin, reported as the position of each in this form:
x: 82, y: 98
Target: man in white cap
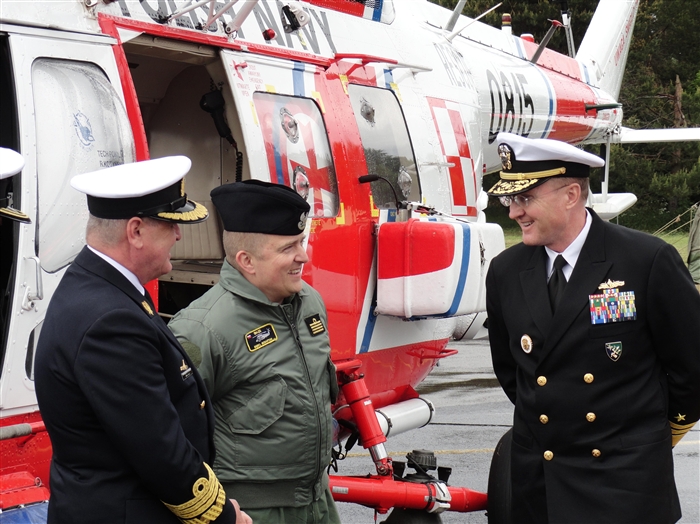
x: 129, y: 417
x: 595, y: 337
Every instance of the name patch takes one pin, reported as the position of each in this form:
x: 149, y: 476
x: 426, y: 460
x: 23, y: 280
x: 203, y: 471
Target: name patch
x: 260, y: 337
x: 612, y: 306
x: 315, y: 325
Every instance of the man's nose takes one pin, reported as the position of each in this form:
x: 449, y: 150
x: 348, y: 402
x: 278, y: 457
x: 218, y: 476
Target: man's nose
x: 514, y: 211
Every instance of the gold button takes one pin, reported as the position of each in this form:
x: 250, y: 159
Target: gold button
x: 588, y: 378
x: 541, y: 381
x: 595, y: 453
x: 590, y: 417
x: 548, y: 455
x: 544, y: 419
x: 204, y: 403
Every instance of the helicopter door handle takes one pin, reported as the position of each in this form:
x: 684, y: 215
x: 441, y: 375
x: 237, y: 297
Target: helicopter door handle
x: 29, y: 297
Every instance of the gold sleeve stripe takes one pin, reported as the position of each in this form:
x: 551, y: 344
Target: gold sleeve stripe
x: 534, y: 174
x: 207, y: 504
x: 678, y: 431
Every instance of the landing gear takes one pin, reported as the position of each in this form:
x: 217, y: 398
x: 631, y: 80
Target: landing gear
x: 499, y: 488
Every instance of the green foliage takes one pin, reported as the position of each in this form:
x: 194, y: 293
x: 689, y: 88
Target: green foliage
x: 665, y: 46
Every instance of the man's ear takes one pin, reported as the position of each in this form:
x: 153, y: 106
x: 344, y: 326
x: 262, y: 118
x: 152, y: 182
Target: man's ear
x: 134, y: 232
x: 573, y: 194
x: 245, y: 262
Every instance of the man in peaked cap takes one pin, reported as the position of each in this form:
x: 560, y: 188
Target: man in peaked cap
x: 129, y: 417
x: 259, y: 339
x: 595, y: 337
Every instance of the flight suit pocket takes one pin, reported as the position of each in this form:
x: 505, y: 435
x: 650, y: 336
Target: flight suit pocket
x: 261, y: 410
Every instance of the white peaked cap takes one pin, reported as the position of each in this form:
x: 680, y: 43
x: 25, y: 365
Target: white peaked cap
x: 151, y: 188
x: 11, y: 163
x: 539, y: 149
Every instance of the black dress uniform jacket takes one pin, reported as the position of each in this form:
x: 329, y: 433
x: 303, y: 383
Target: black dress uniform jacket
x: 129, y: 417
x: 591, y: 436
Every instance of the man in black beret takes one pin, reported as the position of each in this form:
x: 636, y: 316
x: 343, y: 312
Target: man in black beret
x: 595, y: 337
x: 130, y: 420
x: 259, y: 339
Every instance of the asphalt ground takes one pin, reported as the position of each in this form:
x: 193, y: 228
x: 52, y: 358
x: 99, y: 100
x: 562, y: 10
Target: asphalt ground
x: 471, y: 415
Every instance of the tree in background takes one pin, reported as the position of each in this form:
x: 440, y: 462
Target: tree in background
x: 661, y: 89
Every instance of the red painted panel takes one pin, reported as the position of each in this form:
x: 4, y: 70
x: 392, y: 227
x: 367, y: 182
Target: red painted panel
x: 572, y: 121
x: 554, y: 61
x: 414, y: 248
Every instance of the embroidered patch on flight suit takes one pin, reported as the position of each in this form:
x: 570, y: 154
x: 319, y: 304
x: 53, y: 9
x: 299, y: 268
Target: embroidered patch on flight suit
x: 185, y: 370
x: 260, y: 337
x: 612, y: 306
x: 315, y: 325
x: 614, y: 350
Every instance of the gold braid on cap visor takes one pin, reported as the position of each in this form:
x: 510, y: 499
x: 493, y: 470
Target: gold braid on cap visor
x: 207, y: 504
x: 533, y: 175
x: 198, y: 213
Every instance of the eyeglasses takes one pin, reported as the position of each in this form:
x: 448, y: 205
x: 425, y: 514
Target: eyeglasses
x: 524, y: 201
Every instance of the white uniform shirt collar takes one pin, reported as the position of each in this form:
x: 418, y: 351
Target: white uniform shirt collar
x: 572, y: 252
x: 128, y: 274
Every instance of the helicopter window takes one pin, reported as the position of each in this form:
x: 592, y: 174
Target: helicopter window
x: 81, y: 126
x: 387, y: 146
x: 298, y: 152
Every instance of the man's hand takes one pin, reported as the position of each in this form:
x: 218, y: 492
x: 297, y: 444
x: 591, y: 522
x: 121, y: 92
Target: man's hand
x: 241, y: 516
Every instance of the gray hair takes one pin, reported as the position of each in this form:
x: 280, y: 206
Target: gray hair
x: 106, y: 230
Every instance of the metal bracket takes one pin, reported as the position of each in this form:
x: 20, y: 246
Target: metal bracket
x: 29, y: 298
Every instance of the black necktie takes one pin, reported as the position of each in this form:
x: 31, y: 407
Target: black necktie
x: 557, y: 282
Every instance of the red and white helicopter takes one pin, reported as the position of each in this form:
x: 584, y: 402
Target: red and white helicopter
x: 381, y: 113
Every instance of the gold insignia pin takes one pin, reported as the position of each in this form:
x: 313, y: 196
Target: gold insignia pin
x: 504, y: 154
x: 526, y: 343
x: 147, y: 308
x: 610, y: 284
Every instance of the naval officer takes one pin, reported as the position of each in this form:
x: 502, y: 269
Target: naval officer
x: 260, y: 340
x: 595, y: 337
x: 129, y: 417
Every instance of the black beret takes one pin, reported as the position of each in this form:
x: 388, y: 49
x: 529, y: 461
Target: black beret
x: 253, y: 206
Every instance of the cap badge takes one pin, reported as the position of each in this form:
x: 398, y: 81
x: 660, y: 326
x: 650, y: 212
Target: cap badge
x: 182, y: 187
x: 526, y: 343
x: 504, y: 152
x: 614, y: 350
x: 302, y: 221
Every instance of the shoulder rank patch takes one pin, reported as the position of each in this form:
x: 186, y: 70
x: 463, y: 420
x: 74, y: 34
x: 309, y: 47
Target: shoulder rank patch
x: 315, y: 325
x: 260, y: 337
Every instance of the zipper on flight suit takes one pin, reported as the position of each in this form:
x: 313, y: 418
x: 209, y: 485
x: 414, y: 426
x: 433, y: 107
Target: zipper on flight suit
x: 290, y: 316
